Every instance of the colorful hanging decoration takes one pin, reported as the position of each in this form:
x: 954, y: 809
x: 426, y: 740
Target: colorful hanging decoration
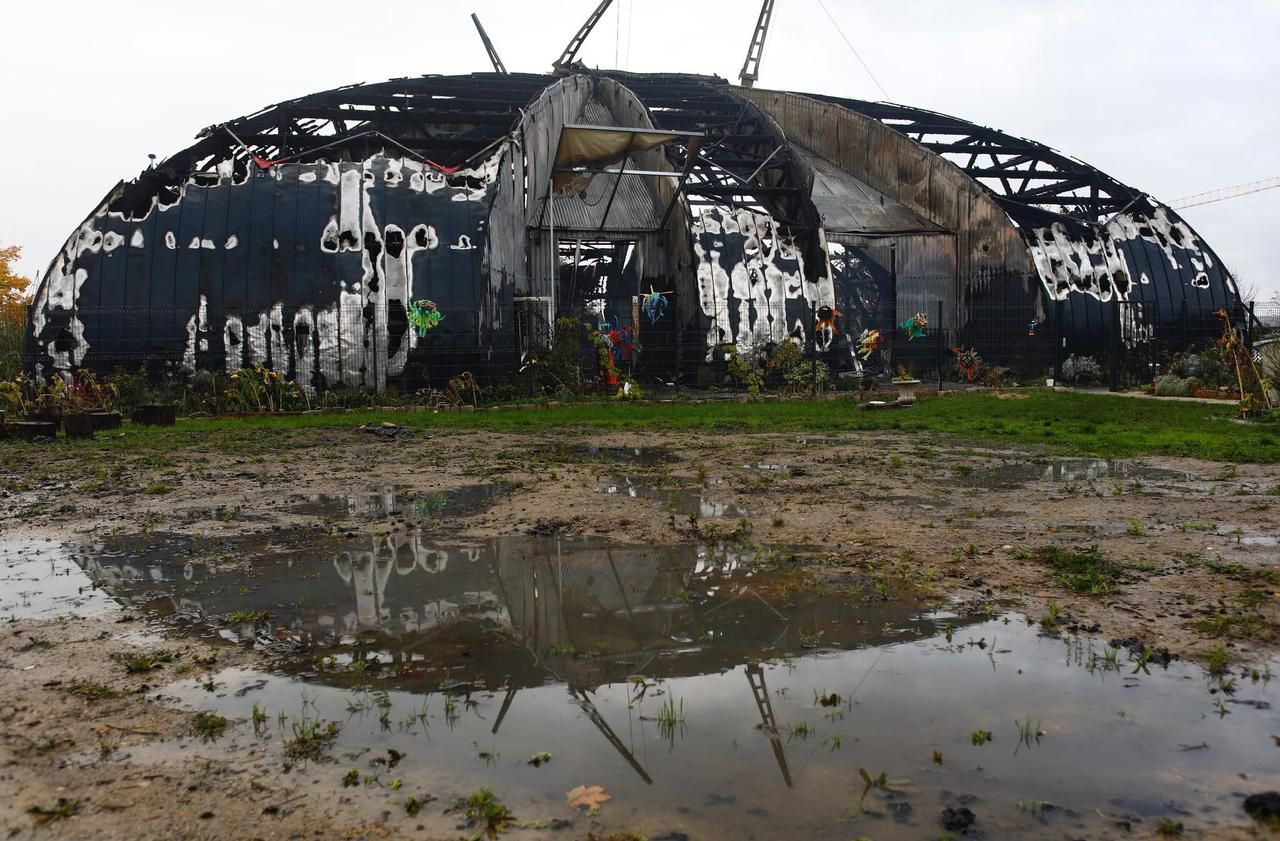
x: 424, y: 315
x: 622, y: 344
x: 915, y: 326
x: 968, y: 363
x: 868, y: 343
x: 1031, y: 326
x: 654, y: 305
x: 825, y: 328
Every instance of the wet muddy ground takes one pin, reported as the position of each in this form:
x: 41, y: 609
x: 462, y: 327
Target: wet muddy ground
x: 738, y: 636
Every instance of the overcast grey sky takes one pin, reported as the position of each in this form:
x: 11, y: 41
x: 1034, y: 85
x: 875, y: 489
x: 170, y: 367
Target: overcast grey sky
x: 1172, y: 97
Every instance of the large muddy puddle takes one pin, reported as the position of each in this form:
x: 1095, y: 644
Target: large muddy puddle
x: 709, y: 690
x: 1072, y: 470
x: 687, y: 501
x: 399, y: 503
x: 39, y: 579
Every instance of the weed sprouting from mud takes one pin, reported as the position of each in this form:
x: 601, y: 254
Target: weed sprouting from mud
x: 310, y: 738
x: 209, y: 726
x: 91, y: 690
x: 670, y: 718
x: 482, y: 808
x: 259, y: 716
x: 1087, y: 571
x: 147, y: 662
x: 1028, y: 734
x: 1217, y: 660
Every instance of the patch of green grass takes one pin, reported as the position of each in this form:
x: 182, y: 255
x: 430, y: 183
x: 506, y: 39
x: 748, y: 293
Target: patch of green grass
x: 208, y: 725
x: 482, y: 808
x: 148, y: 661
x: 1087, y: 571
x: 1103, y: 425
x: 1236, y: 626
x: 92, y: 690
x: 156, y: 488
x: 310, y: 738
x: 1217, y: 660
x: 1168, y: 828
x: 980, y: 737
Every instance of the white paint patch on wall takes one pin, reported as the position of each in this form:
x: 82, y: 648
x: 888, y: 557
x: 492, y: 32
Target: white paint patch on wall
x: 304, y: 349
x: 233, y: 341
x: 1097, y: 266
x: 757, y: 288
x: 351, y: 337
x: 395, y: 280
x: 197, y: 328
x: 349, y: 218
x: 337, y: 337
x: 327, y: 333
x: 256, y: 341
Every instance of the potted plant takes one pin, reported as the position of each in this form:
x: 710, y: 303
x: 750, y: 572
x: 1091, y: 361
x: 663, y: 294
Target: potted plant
x: 906, y: 383
x: 49, y: 403
x: 155, y: 414
x: 87, y: 406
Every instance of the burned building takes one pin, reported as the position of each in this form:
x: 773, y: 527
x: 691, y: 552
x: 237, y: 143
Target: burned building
x: 397, y: 233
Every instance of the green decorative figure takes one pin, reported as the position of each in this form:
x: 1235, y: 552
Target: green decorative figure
x: 424, y: 315
x: 914, y: 326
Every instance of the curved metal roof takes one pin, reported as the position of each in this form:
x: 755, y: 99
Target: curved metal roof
x: 448, y: 121
x: 1032, y: 181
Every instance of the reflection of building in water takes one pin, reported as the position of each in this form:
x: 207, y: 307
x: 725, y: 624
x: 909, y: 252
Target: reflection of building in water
x: 585, y: 611
x: 528, y: 609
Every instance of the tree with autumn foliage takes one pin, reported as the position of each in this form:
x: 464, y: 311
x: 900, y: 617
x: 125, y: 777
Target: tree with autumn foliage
x: 15, y: 295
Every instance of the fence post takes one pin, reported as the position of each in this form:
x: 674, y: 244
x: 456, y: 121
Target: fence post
x: 813, y: 348
x: 893, y: 308
x: 1114, y: 347
x: 1059, y: 339
x: 941, y: 345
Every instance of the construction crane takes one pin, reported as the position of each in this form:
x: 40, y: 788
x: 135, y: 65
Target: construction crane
x: 1225, y: 193
x: 751, y: 67
x: 564, y: 64
x: 498, y: 66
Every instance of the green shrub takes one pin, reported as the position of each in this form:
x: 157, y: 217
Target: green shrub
x: 1172, y: 385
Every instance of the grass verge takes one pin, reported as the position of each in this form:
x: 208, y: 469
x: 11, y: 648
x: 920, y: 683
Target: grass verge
x: 1066, y: 423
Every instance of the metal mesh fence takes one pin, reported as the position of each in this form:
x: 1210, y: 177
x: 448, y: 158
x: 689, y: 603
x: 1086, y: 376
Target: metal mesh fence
x: 1129, y: 344
x: 12, y: 322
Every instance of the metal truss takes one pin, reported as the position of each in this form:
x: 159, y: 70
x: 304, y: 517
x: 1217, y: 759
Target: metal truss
x: 446, y: 120
x: 1033, y: 182
x: 450, y: 120
x: 743, y: 160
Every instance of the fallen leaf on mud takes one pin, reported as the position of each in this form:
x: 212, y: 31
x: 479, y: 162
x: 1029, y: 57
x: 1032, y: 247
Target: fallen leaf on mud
x: 587, y: 797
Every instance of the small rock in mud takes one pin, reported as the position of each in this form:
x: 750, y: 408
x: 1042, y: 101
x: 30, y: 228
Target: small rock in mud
x: 958, y: 820
x: 1264, y: 807
x: 901, y: 811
